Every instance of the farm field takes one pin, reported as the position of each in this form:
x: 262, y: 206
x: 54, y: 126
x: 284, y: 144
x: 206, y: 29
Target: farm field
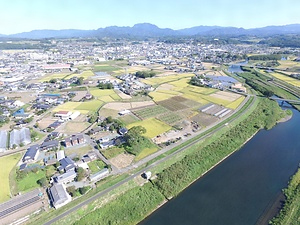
x: 85, y: 74
x: 7, y: 163
x: 169, y: 118
x: 153, y: 127
x: 165, y: 79
x: 54, y: 76
x: 150, y: 111
x: 287, y: 79
x: 69, y: 106
x: 174, y: 104
x: 236, y: 103
x: 287, y: 64
x: 128, y: 119
x: 112, y: 152
x: 159, y: 96
x: 106, y: 68
x: 82, y: 107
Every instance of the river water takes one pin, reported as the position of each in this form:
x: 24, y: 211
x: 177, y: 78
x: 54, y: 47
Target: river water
x: 242, y: 188
x: 236, y: 68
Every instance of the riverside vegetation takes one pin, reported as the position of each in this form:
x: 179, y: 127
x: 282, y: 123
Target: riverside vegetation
x: 133, y: 205
x: 290, y: 213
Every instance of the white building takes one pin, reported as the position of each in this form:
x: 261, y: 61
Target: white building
x: 59, y: 195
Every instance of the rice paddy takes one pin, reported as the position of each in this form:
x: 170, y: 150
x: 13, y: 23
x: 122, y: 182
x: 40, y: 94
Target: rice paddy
x: 287, y: 79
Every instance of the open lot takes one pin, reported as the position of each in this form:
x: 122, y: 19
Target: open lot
x: 72, y: 127
x: 204, y: 119
x: 228, y: 96
x: 96, y: 166
x: 153, y: 127
x: 122, y: 160
x: 7, y: 163
x: 79, y: 150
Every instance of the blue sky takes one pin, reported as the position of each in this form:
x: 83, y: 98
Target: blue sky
x: 26, y: 15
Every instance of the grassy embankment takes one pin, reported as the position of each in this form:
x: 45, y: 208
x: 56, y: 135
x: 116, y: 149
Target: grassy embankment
x: 290, y: 213
x: 170, y: 183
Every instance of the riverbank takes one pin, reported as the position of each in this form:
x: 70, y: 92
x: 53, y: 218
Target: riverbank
x: 290, y: 212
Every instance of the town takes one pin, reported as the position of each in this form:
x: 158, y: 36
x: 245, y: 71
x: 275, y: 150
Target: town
x: 72, y: 111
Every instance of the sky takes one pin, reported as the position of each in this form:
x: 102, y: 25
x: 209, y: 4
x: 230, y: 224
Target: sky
x: 25, y: 15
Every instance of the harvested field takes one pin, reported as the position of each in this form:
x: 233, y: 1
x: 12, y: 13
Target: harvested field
x: 79, y: 95
x: 204, y: 119
x: 153, y: 127
x: 165, y: 87
x: 141, y: 104
x: 150, y: 111
x: 228, y: 96
x: 45, y: 122
x: 75, y: 127
x: 118, y: 105
x: 108, y: 112
x: 78, y: 150
x: 122, y: 160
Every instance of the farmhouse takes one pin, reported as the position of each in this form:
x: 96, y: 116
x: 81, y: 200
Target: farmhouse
x: 49, y: 145
x: 59, y: 195
x: 65, y: 177
x: 31, y: 154
x: 66, y: 164
x: 123, y: 131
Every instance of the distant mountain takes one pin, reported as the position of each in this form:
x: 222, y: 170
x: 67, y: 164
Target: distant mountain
x: 39, y: 34
x: 144, y: 30
x: 197, y: 30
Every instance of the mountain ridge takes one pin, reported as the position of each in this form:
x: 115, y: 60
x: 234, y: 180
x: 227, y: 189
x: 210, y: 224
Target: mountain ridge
x: 144, y: 30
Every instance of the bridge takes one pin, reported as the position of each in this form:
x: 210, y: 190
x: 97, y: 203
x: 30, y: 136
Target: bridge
x: 286, y: 100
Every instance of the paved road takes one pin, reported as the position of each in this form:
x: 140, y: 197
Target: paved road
x: 138, y: 173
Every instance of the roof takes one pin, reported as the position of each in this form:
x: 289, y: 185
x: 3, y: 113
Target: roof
x: 67, y: 164
x: 31, y: 152
x: 60, y: 155
x: 53, y: 143
x: 63, y: 112
x: 65, y: 177
x: 58, y: 194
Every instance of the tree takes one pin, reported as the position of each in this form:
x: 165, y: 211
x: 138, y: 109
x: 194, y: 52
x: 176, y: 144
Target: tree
x: 53, y: 81
x: 43, y: 182
x: 83, y: 190
x: 80, y: 80
x: 80, y: 174
x: 71, y: 190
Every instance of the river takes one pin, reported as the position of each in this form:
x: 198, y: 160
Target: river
x: 242, y: 188
x: 236, y: 68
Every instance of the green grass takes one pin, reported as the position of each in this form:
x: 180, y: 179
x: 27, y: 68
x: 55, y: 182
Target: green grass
x: 112, y: 152
x: 236, y: 103
x: 29, y: 182
x: 84, y: 74
x: 145, y: 152
x: 7, y: 163
x: 96, y: 166
x: 153, y: 127
x: 106, y: 68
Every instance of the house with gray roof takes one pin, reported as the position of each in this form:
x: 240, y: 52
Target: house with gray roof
x: 59, y: 195
x: 65, y: 177
x: 66, y: 164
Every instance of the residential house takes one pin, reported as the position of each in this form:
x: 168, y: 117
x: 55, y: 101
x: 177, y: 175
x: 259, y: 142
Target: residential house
x: 66, y: 164
x: 101, y: 174
x: 59, y: 195
x: 49, y: 145
x: 31, y: 154
x: 65, y: 177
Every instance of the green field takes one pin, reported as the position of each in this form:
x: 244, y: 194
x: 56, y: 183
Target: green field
x: 150, y: 111
x: 153, y: 126
x: 106, y: 68
x: 69, y: 106
x: 145, y: 152
x: 89, y: 106
x: 85, y: 74
x: 168, y: 79
x: 7, y: 163
x: 96, y: 166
